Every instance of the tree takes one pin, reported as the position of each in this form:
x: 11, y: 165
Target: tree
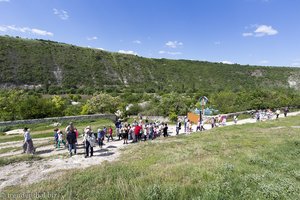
x: 174, y: 102
x: 101, y: 103
x: 59, y: 105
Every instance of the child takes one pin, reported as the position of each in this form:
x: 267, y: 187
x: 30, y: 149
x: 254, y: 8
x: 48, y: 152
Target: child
x: 235, y: 119
x: 55, y: 137
x: 61, y: 139
x: 110, y: 132
x: 100, y: 137
x: 191, y: 126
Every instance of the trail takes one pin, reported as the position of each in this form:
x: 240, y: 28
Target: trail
x: 56, y: 161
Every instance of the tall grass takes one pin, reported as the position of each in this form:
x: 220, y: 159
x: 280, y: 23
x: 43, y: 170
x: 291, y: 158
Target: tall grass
x: 252, y: 161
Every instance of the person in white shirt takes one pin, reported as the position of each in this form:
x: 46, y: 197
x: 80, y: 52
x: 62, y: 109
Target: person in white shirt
x: 28, y: 144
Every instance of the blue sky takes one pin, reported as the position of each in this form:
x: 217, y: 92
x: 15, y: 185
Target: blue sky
x: 254, y: 32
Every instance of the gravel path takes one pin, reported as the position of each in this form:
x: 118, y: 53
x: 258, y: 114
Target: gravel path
x: 57, y: 160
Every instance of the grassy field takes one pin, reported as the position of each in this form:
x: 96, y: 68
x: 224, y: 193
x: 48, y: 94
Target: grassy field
x: 252, y: 161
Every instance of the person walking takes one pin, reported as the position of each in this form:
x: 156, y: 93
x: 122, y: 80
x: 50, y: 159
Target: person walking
x: 185, y: 124
x: 55, y: 137
x: 212, y: 121
x: 110, y: 133
x: 151, y: 131
x: 165, y: 130
x: 285, y: 111
x: 277, y: 113
x: 187, y: 127
x: 137, y: 130
x: 125, y: 134
x: 100, y: 137
x: 76, y: 133
x: 28, y: 144
x: 71, y: 138
x: 235, y: 119
x: 202, y: 125
x: 118, y: 127
x: 178, y: 126
x: 198, y: 125
x: 89, y: 139
x: 61, y: 139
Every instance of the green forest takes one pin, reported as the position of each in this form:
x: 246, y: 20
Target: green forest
x: 41, y: 78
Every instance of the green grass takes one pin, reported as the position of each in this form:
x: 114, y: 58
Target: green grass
x: 20, y: 158
x: 9, y: 149
x: 45, y: 130
x: 251, y: 161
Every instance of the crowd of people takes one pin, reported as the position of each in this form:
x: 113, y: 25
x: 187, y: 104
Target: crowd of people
x: 267, y: 114
x: 135, y: 132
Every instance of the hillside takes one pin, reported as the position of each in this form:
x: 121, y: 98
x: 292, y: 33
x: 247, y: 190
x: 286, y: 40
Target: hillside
x: 53, y: 66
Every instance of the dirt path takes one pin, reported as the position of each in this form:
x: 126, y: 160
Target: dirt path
x: 58, y: 160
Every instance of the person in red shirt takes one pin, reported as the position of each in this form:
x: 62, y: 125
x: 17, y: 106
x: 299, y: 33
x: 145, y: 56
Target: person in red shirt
x: 110, y: 132
x: 76, y: 133
x: 137, y: 130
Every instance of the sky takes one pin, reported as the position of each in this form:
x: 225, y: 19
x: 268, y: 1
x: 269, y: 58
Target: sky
x: 247, y: 32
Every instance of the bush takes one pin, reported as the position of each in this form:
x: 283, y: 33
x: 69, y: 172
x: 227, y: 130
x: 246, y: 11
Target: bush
x: 173, y: 117
x: 134, y: 109
x: 5, y: 128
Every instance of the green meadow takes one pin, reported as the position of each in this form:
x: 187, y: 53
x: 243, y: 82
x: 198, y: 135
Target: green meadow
x: 251, y: 161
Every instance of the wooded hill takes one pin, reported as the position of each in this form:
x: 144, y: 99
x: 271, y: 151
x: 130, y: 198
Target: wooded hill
x: 57, y: 67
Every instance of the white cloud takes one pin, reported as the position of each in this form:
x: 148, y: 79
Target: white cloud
x: 137, y: 42
x: 261, y: 30
x: 264, y: 62
x: 173, y: 44
x: 100, y: 49
x: 92, y: 38
x: 33, y: 31
x: 128, y: 52
x: 40, y: 32
x: 169, y: 52
x: 4, y: 0
x: 265, y: 30
x: 62, y: 14
x: 227, y: 62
